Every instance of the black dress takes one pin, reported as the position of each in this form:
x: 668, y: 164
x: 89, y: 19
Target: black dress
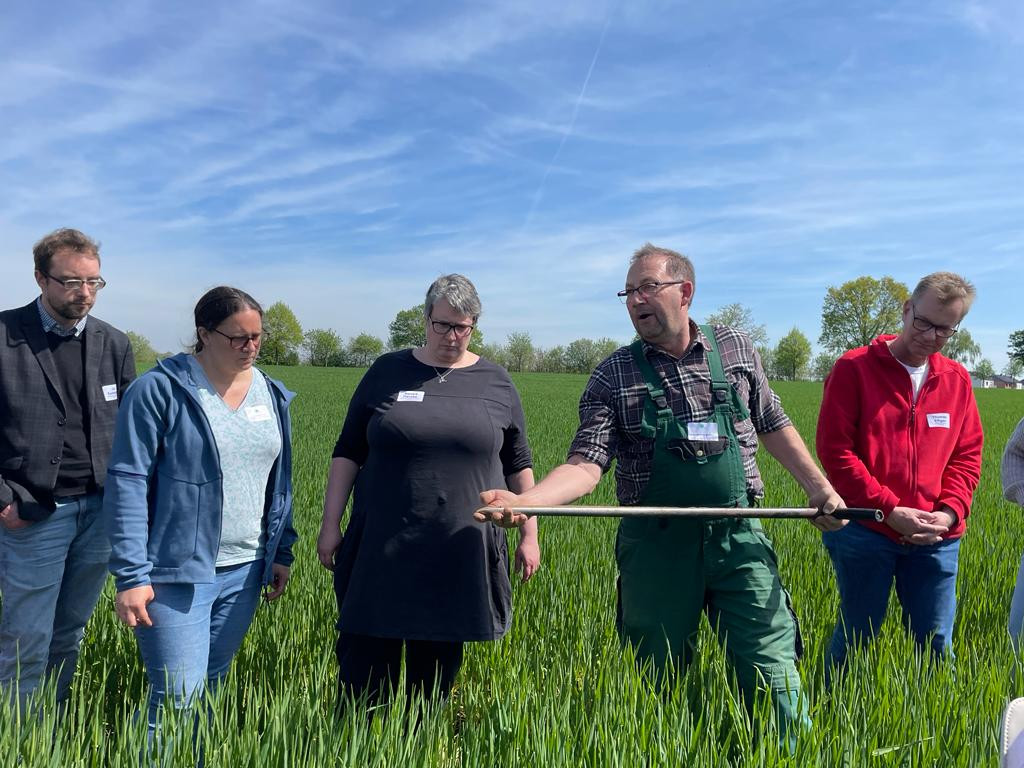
x: 414, y: 564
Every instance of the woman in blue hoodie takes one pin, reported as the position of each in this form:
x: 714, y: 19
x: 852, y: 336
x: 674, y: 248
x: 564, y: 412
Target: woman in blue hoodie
x: 198, y: 500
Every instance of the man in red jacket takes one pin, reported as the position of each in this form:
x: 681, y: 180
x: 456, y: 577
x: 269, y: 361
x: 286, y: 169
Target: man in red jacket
x: 899, y: 431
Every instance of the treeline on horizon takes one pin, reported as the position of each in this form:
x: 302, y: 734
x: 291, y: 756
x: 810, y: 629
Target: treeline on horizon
x: 852, y: 315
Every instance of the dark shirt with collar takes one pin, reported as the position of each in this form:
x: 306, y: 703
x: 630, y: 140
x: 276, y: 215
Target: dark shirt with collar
x: 611, y: 407
x: 37, y: 405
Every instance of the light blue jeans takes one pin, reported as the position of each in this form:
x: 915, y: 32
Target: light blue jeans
x: 51, y: 574
x: 197, y: 630
x: 867, y: 564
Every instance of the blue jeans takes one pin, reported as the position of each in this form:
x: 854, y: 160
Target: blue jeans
x: 866, y: 565
x: 51, y: 574
x: 1017, y: 609
x: 197, y: 630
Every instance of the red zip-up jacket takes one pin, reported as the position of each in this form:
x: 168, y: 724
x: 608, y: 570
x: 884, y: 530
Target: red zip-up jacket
x: 882, y: 450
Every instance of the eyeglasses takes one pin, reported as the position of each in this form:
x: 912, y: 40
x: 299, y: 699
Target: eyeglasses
x: 77, y: 283
x: 461, y: 330
x: 645, y: 291
x: 922, y: 325
x: 239, y: 342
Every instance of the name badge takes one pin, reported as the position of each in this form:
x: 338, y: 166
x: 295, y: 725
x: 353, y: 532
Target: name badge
x: 938, y: 420
x: 410, y: 396
x: 110, y: 392
x: 256, y: 413
x: 702, y: 430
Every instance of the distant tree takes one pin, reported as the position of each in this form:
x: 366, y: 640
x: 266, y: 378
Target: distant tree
x: 859, y: 310
x: 1016, y: 346
x: 551, y: 360
x: 407, y: 329
x: 984, y: 369
x: 767, y: 355
x: 962, y: 348
x: 519, y: 351
x: 1013, y: 368
x: 145, y: 355
x: 283, y: 336
x: 322, y: 345
x: 581, y: 356
x: 604, y: 347
x: 364, y: 349
x: 476, y: 341
x: 821, y: 366
x: 792, y: 354
x: 739, y: 317
x: 495, y: 353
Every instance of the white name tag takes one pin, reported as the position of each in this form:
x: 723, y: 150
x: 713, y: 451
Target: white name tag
x: 938, y: 420
x: 110, y: 392
x: 410, y: 396
x: 702, y: 430
x: 257, y: 413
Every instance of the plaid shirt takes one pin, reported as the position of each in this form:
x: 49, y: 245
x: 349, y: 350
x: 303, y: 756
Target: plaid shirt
x: 50, y: 324
x: 612, y: 406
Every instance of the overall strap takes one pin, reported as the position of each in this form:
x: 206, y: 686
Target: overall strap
x: 723, y: 394
x: 656, y: 409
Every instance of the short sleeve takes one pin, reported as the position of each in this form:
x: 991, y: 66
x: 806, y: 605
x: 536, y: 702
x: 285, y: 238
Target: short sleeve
x: 352, y: 443
x: 515, y: 452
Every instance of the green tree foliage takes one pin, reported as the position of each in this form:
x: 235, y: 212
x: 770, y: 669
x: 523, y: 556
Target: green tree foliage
x: 605, y: 347
x: 984, y: 369
x: 519, y: 351
x: 821, y: 366
x: 322, y: 345
x: 145, y: 355
x: 284, y: 336
x: 767, y: 355
x: 363, y: 350
x: 1014, y: 368
x: 1016, y: 346
x: 583, y: 354
x: 792, y: 354
x: 476, y: 342
x: 407, y: 329
x: 859, y: 310
x: 550, y: 360
x: 739, y: 317
x: 962, y: 348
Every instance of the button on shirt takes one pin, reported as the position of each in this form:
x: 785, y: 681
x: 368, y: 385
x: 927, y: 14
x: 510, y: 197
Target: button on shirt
x: 612, y: 406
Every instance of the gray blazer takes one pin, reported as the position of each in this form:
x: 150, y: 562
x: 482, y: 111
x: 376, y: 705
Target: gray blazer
x: 32, y: 411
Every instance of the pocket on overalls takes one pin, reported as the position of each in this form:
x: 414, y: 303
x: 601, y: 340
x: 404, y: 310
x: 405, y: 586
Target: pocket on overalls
x: 630, y: 538
x: 798, y: 642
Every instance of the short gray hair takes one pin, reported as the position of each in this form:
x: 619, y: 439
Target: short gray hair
x: 679, y: 267
x: 458, y: 291
x: 948, y: 287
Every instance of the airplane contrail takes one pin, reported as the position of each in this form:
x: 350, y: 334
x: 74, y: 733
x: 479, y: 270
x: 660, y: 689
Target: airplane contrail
x: 539, y: 194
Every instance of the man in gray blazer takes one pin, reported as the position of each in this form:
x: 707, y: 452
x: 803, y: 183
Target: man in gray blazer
x: 62, y: 374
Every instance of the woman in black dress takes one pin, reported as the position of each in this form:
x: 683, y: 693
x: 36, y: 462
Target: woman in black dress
x: 425, y: 430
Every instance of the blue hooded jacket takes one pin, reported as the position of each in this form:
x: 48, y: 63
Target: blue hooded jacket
x: 163, y: 499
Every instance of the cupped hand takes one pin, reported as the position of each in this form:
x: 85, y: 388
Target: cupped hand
x: 130, y: 606
x: 505, y: 516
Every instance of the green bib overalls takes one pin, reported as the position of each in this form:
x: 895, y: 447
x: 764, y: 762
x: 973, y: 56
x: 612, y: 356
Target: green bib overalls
x: 672, y: 569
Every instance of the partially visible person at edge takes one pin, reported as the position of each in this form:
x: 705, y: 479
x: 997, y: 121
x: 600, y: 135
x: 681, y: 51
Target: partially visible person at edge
x: 199, y: 502
x: 425, y: 430
x: 1013, y: 490
x: 899, y: 431
x: 62, y: 374
x: 681, y: 410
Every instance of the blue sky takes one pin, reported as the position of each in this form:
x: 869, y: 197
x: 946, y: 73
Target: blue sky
x: 339, y: 156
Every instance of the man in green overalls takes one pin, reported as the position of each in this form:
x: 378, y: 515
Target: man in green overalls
x: 680, y: 411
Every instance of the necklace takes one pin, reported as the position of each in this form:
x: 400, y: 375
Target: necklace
x: 442, y: 376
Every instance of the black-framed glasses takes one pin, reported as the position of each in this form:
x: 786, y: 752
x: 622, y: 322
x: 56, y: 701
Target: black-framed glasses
x: 239, y: 342
x: 646, y: 290
x: 461, y: 330
x: 922, y: 325
x: 77, y: 283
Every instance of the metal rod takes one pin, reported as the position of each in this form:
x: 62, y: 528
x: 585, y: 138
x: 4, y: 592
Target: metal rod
x: 850, y: 513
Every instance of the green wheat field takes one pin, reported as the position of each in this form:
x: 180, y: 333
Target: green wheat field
x: 559, y: 690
